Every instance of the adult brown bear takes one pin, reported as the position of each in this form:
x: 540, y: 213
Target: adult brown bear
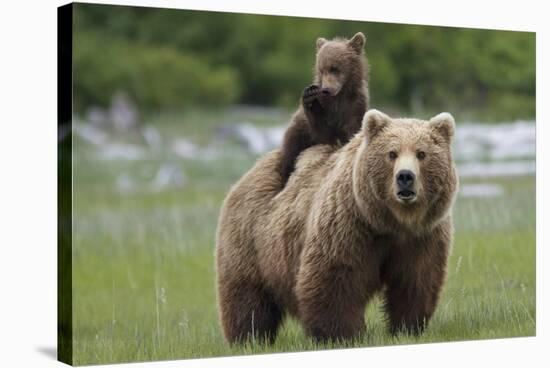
x: 372, y: 215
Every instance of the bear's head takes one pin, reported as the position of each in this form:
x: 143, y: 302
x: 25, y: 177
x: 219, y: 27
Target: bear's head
x: 404, y: 174
x: 341, y: 64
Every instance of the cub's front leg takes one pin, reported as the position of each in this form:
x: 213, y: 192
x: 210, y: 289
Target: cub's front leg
x: 317, y: 104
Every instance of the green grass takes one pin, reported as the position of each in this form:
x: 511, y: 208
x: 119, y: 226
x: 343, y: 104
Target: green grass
x: 143, y: 277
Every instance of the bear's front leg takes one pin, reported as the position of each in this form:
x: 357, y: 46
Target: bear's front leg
x: 409, y: 307
x: 331, y: 304
x: 313, y: 109
x: 310, y: 95
x: 414, y: 282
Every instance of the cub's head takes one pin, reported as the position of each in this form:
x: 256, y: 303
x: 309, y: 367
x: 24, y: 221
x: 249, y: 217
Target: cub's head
x: 341, y: 64
x: 405, y: 168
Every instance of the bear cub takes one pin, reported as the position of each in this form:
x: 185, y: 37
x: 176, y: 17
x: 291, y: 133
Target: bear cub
x: 332, y: 108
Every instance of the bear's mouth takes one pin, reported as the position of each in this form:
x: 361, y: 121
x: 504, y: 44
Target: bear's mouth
x: 406, y: 195
x: 330, y: 91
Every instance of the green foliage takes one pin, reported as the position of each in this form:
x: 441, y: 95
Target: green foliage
x: 155, y: 77
x: 167, y: 58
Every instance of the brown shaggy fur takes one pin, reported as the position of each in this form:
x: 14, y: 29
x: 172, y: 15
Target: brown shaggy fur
x: 338, y: 233
x: 332, y: 108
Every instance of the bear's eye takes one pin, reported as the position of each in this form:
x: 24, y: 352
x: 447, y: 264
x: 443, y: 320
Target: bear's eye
x: 393, y: 155
x: 333, y: 69
x: 421, y: 155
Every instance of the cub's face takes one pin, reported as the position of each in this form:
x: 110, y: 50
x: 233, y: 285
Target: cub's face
x: 337, y: 62
x: 408, y: 166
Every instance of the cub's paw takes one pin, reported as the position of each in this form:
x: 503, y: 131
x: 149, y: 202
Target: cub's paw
x: 309, y: 95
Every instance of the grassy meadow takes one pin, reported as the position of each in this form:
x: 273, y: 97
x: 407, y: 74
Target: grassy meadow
x: 144, y: 276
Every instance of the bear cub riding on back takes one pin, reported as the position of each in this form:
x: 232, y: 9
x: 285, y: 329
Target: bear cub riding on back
x: 332, y: 108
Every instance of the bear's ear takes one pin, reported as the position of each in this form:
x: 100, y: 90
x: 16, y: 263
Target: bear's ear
x: 444, y: 125
x: 357, y: 42
x: 320, y: 42
x: 373, y: 122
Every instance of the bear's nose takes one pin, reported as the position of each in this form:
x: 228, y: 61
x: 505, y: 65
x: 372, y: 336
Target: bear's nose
x: 405, y: 179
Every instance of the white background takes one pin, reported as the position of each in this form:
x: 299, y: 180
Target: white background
x: 28, y: 186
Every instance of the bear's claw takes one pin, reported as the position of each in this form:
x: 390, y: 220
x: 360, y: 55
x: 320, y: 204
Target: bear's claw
x: 310, y: 94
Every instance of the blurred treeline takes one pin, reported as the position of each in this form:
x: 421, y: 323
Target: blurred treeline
x: 168, y: 59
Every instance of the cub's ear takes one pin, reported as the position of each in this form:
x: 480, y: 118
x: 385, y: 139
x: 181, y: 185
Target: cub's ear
x: 357, y: 42
x: 444, y: 125
x: 320, y: 42
x: 373, y: 123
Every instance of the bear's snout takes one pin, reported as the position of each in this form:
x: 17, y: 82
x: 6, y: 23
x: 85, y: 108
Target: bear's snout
x: 405, y: 179
x: 330, y: 84
x: 405, y: 185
